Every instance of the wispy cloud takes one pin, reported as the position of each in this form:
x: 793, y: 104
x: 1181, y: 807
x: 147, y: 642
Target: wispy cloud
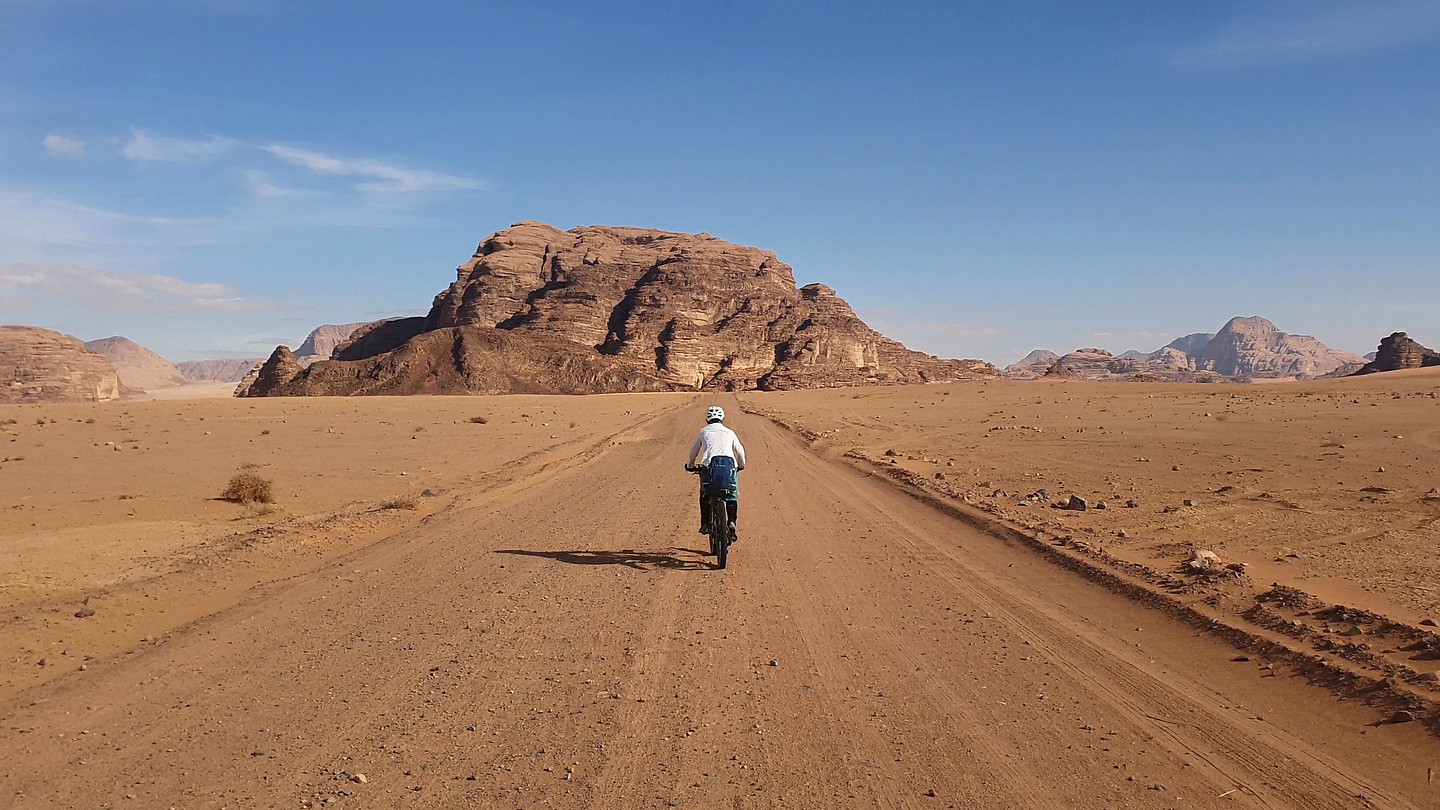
x: 384, y: 176
x: 1280, y: 32
x: 61, y: 146
x: 145, y: 147
x: 110, y: 291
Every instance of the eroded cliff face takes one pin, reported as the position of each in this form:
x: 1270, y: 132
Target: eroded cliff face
x: 600, y: 309
x: 38, y: 365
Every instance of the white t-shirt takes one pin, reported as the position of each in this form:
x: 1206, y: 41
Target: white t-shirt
x: 716, y: 440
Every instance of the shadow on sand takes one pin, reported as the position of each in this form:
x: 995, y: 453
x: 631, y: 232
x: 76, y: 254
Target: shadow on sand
x: 676, y: 559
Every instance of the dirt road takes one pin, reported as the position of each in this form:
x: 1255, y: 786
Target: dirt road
x: 560, y: 642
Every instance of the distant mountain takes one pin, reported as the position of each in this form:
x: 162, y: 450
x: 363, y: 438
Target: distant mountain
x: 323, y: 339
x: 38, y: 365
x: 1032, y: 365
x: 1134, y: 355
x: 228, y: 370
x: 1399, y: 352
x: 1190, y: 345
x: 1254, y: 347
x: 139, y: 368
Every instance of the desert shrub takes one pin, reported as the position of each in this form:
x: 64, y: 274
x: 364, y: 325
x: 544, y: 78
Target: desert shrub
x: 478, y: 420
x: 406, y: 501
x: 247, y: 487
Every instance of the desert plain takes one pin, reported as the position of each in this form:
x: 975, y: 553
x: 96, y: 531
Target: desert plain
x: 502, y: 602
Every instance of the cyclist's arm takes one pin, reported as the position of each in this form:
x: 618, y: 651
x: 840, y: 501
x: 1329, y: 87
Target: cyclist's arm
x: 694, y: 449
x: 739, y: 453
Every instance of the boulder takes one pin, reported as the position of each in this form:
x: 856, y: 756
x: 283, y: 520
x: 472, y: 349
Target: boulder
x: 38, y: 365
x: 599, y: 309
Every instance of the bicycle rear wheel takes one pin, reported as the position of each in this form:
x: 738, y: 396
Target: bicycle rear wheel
x: 719, y: 530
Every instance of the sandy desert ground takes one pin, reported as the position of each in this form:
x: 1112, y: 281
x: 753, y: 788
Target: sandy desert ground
x: 542, y: 631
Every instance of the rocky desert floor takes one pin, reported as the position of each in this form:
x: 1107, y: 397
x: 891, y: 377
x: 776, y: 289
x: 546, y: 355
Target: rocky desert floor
x: 542, y: 630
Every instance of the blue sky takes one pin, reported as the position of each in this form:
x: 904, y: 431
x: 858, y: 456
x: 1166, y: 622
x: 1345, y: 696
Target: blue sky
x: 211, y: 177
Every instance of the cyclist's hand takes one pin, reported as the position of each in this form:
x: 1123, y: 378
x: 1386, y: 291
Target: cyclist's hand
x: 738, y: 469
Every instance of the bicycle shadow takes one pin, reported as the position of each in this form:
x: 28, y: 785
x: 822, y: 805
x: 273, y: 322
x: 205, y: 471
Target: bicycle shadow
x: 674, y: 559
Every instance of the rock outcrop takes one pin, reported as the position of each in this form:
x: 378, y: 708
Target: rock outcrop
x: 218, y: 370
x: 1254, y: 347
x: 139, y: 368
x: 599, y: 309
x: 38, y: 365
x: 323, y: 339
x: 1098, y: 365
x: 1399, y: 352
x: 281, y: 368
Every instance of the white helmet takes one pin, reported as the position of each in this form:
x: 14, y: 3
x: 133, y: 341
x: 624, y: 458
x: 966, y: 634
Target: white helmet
x: 714, y: 413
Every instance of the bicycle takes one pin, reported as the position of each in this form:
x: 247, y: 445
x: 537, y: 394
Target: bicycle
x: 718, y: 526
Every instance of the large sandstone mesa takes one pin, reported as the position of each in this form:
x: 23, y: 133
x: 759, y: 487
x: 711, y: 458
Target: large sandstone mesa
x: 323, y: 339
x: 139, y: 368
x: 227, y: 370
x: 1399, y: 352
x: 601, y: 309
x: 1254, y: 347
x: 38, y: 365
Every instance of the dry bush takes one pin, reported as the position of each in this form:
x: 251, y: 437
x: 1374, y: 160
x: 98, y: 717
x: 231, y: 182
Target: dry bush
x: 407, y: 501
x: 247, y: 487
x: 478, y: 420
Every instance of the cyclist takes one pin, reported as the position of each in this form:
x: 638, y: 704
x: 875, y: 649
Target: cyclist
x: 717, y: 441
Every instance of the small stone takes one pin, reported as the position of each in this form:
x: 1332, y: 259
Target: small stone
x: 1160, y: 788
x: 1428, y: 622
x: 85, y: 612
x: 891, y: 453
x: 1352, y: 631
x: 939, y: 476
x: 1176, y: 468
x: 930, y: 793
x: 1239, y: 659
x: 1191, y: 502
x: 1077, y: 504
x: 429, y: 493
x: 1132, y: 504
x: 774, y: 662
x: 1121, y: 534
x: 1101, y: 505
x: 999, y: 493
x: 1382, y: 469
x: 359, y: 778
x: 1401, y: 716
